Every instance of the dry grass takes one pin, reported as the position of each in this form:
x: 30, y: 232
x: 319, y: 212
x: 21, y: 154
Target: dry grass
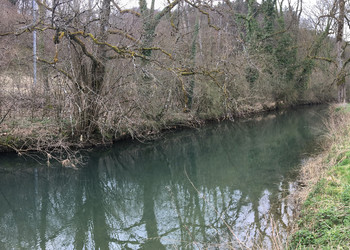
x: 311, y: 172
x: 333, y: 144
x: 334, y: 148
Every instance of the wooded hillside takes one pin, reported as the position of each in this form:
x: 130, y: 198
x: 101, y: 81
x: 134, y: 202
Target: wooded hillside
x: 104, y: 72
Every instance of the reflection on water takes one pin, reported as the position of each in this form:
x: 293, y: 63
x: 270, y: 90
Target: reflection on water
x: 212, y: 187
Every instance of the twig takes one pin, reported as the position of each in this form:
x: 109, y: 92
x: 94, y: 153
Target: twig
x: 3, y: 118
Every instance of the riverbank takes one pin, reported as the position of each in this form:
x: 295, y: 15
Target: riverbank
x: 323, y: 214
x: 25, y: 131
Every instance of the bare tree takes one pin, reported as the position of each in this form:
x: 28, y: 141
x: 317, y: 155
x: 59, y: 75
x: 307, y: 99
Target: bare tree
x: 340, y: 52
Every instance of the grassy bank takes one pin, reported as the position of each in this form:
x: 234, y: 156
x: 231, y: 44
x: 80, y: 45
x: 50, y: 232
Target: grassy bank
x: 324, y: 216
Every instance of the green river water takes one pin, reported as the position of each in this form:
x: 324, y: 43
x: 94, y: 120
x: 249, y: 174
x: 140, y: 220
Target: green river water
x: 216, y: 187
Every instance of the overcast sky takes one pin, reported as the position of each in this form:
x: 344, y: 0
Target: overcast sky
x: 132, y: 3
x: 125, y: 4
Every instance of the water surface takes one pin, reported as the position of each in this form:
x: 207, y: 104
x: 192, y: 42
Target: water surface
x: 214, y: 187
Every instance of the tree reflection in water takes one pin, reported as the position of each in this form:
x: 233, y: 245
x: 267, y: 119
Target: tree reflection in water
x: 191, y: 189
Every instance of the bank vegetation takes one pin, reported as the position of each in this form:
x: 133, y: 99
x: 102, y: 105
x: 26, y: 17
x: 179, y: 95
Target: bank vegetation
x: 323, y: 220
x: 105, y: 72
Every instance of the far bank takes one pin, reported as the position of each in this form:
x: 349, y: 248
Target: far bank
x: 57, y: 139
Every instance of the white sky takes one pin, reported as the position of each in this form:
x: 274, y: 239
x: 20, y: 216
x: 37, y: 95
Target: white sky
x: 126, y: 4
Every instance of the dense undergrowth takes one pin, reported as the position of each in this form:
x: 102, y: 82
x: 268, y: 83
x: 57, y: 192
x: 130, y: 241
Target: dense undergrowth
x: 324, y: 220
x: 147, y: 70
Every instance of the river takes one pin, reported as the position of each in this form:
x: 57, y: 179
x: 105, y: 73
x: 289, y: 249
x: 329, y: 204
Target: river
x: 216, y: 187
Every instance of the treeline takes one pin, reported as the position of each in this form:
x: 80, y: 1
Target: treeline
x: 105, y: 71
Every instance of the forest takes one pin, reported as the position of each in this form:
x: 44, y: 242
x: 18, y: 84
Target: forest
x: 77, y: 73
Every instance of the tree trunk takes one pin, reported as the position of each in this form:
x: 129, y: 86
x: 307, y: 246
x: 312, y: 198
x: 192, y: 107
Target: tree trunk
x: 340, y: 52
x: 92, y: 80
x: 44, y: 68
x: 341, y: 93
x: 250, y: 22
x: 193, y: 62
